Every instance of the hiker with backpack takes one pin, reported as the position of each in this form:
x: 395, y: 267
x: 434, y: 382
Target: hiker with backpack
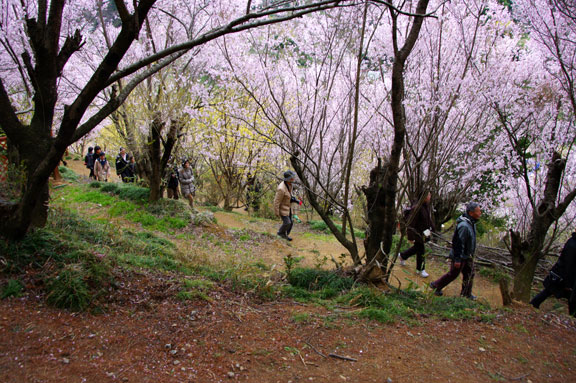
x: 561, y: 281
x: 420, y: 226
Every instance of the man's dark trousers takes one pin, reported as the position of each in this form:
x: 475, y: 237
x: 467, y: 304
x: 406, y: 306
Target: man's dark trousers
x: 467, y: 269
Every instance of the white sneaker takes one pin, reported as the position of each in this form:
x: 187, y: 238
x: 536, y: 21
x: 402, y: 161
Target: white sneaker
x: 402, y: 261
x: 424, y: 274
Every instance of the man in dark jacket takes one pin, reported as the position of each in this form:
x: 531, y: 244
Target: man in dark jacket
x: 89, y: 161
x: 420, y: 226
x: 123, y: 166
x: 172, y: 186
x: 462, y: 253
x: 562, y: 278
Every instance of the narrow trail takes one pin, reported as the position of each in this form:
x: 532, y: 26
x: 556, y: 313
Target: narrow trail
x: 319, y: 249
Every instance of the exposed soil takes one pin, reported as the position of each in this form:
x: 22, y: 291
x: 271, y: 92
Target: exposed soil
x: 146, y: 335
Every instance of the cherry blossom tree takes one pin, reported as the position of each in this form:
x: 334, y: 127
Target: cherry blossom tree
x: 42, y: 114
x: 538, y: 116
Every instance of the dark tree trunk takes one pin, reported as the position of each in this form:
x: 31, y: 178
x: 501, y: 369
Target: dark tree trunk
x: 388, y: 181
x: 376, y: 203
x: 157, y: 158
x: 526, y: 253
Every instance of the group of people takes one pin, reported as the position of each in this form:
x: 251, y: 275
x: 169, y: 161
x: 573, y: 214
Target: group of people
x: 561, y: 281
x: 95, y: 160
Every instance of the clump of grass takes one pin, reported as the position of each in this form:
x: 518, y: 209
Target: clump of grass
x: 95, y: 184
x: 68, y: 174
x: 69, y: 290
x: 109, y: 187
x: 194, y: 289
x: 134, y: 193
x: 494, y: 274
x: 317, y: 279
x: 410, y: 304
x: 13, y: 288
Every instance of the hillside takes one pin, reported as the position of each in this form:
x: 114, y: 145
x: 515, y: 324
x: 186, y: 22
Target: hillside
x: 163, y: 295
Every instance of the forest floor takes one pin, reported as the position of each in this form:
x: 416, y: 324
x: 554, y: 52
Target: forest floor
x: 146, y: 334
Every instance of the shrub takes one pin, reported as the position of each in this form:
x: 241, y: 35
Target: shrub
x: 12, y: 289
x: 134, y: 193
x: 95, y: 184
x: 68, y: 290
x: 109, y: 187
x: 68, y: 174
x: 316, y: 279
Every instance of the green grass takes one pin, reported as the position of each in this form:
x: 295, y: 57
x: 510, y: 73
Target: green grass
x: 68, y: 174
x: 76, y: 257
x: 13, y: 288
x: 317, y: 279
x: 410, y: 304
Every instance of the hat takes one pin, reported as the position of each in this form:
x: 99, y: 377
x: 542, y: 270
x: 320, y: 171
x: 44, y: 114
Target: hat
x: 289, y: 175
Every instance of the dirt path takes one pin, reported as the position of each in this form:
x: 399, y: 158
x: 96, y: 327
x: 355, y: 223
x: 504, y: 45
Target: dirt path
x: 148, y: 337
x: 318, y: 249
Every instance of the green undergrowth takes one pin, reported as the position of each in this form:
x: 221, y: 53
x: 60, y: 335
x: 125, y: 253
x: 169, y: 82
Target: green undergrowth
x: 12, y: 288
x: 74, y: 257
x: 130, y: 202
x: 68, y: 174
x: 331, y: 289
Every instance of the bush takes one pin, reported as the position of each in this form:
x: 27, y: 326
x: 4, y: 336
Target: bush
x: 316, y: 279
x: 134, y: 193
x: 68, y: 290
x: 12, y: 289
x: 68, y: 174
x: 95, y: 184
x: 109, y: 187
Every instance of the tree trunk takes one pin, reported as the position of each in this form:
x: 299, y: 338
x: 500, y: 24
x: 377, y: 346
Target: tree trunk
x: 375, y: 202
x: 527, y: 252
x: 32, y: 209
x: 523, y: 278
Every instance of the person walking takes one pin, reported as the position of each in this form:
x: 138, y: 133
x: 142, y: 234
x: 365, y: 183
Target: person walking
x: 172, y: 186
x: 561, y: 281
x: 102, y: 168
x: 131, y: 169
x: 89, y: 161
x: 420, y: 228
x: 123, y: 166
x: 462, y: 253
x: 187, y: 186
x: 282, y: 201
